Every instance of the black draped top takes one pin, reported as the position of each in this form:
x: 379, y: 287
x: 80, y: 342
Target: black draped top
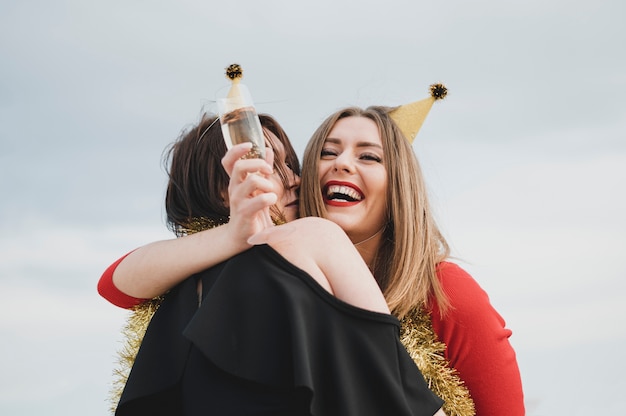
x: 265, y: 338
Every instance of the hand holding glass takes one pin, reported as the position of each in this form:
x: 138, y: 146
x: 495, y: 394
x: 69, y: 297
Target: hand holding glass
x: 240, y: 123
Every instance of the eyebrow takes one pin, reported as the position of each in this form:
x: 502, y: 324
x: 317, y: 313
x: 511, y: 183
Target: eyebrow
x: 358, y: 144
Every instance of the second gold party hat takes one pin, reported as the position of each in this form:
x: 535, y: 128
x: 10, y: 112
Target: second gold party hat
x: 410, y: 117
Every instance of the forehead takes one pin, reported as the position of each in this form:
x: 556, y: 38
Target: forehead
x: 355, y: 129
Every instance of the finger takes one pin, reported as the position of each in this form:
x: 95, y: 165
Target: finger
x: 272, y: 235
x: 252, y: 186
x: 253, y: 206
x: 240, y: 192
x: 269, y: 157
x: 233, y: 154
x: 243, y: 168
x: 261, y: 237
x: 249, y: 178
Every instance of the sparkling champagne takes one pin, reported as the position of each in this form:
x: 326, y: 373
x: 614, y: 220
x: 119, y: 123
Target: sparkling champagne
x: 243, y: 125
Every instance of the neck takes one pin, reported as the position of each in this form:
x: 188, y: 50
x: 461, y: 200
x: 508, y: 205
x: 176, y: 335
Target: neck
x: 369, y: 238
x: 367, y: 248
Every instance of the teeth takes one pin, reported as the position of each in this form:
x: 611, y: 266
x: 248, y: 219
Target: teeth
x: 333, y: 190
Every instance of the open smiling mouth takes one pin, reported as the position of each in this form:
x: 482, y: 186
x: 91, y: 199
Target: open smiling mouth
x: 342, y: 195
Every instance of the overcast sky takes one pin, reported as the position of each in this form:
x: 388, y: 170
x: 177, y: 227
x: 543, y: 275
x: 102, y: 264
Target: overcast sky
x: 525, y: 161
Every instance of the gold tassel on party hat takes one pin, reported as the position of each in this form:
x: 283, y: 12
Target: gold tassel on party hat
x: 234, y: 72
x: 410, y: 117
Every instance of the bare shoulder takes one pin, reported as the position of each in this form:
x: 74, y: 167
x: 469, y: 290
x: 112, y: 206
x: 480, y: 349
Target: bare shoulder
x: 306, y: 245
x: 318, y: 227
x: 318, y: 235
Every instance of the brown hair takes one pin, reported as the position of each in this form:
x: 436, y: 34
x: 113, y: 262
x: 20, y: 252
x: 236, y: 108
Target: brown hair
x: 197, y: 180
x: 412, y: 245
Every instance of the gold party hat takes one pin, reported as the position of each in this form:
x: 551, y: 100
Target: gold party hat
x: 410, y: 117
x: 237, y: 91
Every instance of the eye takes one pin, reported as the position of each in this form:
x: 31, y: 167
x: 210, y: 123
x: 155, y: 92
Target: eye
x: 371, y: 157
x: 327, y: 153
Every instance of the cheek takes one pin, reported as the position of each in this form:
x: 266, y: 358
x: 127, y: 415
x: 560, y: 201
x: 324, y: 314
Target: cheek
x: 277, y: 185
x: 383, y: 183
x: 322, y: 168
x: 381, y: 187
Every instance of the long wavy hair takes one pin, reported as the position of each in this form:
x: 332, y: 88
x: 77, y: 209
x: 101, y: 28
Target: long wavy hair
x: 405, y: 265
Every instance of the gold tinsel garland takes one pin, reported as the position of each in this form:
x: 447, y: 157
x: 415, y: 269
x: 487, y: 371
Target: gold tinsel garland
x: 427, y: 351
x: 133, y: 332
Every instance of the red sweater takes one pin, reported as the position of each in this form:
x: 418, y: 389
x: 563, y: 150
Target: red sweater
x: 108, y: 290
x: 477, y: 342
x: 478, y: 345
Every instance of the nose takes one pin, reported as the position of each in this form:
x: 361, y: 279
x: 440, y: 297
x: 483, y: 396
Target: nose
x: 293, y: 180
x: 343, y: 162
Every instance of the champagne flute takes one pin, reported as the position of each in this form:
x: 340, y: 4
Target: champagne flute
x: 240, y: 123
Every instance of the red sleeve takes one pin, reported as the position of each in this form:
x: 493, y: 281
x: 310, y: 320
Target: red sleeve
x: 477, y: 345
x: 108, y: 290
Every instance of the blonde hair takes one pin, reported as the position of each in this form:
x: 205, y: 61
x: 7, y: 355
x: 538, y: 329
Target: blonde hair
x: 412, y: 245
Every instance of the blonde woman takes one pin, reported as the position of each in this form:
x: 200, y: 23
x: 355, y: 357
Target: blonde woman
x: 360, y: 172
